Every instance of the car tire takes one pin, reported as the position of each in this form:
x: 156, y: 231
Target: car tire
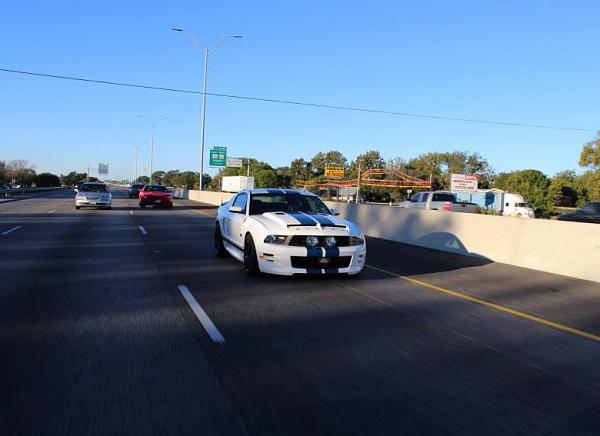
x: 250, y: 260
x: 109, y: 208
x: 77, y: 207
x: 170, y: 206
x: 220, y: 250
x: 142, y: 205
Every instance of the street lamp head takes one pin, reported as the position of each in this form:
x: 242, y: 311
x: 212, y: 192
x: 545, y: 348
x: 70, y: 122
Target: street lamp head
x: 177, y: 30
x: 235, y: 36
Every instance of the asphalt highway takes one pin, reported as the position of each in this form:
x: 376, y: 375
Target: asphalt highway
x: 122, y: 321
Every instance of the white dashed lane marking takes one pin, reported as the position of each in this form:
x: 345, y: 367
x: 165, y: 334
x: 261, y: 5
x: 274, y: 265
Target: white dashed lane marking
x: 201, y: 315
x: 11, y: 230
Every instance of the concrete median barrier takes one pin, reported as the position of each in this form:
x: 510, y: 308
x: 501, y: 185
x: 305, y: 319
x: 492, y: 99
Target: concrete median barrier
x: 209, y: 197
x: 567, y: 248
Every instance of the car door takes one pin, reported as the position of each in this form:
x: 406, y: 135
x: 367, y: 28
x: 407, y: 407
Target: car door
x: 235, y: 220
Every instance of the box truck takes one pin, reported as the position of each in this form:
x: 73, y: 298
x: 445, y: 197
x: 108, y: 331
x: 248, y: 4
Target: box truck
x: 236, y: 183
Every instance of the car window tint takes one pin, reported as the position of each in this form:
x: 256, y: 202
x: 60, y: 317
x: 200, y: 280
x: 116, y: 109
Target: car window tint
x: 240, y: 201
x: 443, y: 197
x: 88, y: 187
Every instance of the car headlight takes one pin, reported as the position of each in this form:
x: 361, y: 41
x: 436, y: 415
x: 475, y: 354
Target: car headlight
x: 312, y: 241
x: 81, y: 197
x: 356, y: 240
x: 275, y: 239
x: 330, y: 241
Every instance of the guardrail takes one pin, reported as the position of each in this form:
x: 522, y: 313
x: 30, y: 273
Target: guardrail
x: 11, y: 192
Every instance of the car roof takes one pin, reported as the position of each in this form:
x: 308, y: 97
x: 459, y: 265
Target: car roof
x: 275, y: 191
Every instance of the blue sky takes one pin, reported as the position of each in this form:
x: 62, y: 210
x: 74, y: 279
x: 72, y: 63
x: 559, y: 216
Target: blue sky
x: 533, y: 61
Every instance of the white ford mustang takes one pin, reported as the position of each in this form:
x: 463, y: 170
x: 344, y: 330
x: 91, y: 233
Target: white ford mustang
x: 286, y: 232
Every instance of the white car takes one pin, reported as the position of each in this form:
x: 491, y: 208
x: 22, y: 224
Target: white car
x: 287, y: 232
x: 93, y: 194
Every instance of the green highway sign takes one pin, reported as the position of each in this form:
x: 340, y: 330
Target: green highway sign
x: 218, y: 157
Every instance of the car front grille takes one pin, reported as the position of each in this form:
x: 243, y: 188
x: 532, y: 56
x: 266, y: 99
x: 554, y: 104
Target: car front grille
x: 313, y: 262
x: 300, y: 241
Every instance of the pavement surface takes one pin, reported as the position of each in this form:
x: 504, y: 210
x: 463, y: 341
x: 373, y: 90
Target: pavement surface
x: 97, y: 337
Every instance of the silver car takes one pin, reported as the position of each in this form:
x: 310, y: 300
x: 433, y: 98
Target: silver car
x: 93, y: 194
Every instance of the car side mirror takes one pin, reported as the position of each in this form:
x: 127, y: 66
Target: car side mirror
x: 335, y: 211
x: 235, y: 209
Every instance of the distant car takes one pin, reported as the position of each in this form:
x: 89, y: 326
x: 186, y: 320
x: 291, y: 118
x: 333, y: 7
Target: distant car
x: 589, y: 213
x: 134, y: 190
x: 287, y: 232
x: 93, y: 194
x: 155, y: 195
x: 439, y: 200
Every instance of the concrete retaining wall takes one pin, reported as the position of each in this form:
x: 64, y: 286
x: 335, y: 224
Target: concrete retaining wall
x: 210, y: 197
x: 567, y: 248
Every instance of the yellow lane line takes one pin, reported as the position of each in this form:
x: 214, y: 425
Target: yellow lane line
x: 491, y: 305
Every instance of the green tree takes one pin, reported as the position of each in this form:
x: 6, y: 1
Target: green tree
x: 588, y: 186
x: 563, y: 186
x: 72, y: 178
x: 532, y: 185
x: 299, y: 170
x: 143, y: 179
x: 265, y: 179
x: 47, y: 180
x: 331, y: 158
x: 440, y: 165
x: 157, y: 177
x: 590, y: 155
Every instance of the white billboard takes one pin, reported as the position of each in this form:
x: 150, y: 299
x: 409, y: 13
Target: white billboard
x: 234, y: 162
x: 102, y: 168
x: 463, y: 184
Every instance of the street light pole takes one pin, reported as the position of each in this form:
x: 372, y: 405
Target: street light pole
x: 207, y: 52
x: 136, y: 147
x: 203, y: 119
x: 152, y: 124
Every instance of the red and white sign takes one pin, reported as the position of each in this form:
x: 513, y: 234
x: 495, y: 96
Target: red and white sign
x: 462, y: 183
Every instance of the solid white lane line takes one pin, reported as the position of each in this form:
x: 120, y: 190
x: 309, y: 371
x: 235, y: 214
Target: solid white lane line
x: 52, y: 211
x: 206, y: 322
x: 11, y: 230
x: 143, y: 230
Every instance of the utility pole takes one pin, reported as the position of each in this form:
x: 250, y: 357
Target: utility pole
x: 358, y: 185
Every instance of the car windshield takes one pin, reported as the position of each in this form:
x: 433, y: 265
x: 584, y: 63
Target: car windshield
x: 93, y: 187
x: 156, y: 188
x: 591, y: 208
x: 287, y: 202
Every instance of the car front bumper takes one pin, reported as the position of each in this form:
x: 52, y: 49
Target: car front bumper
x: 151, y: 201
x: 93, y: 203
x: 289, y: 260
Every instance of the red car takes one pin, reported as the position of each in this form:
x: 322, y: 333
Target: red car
x: 155, y: 195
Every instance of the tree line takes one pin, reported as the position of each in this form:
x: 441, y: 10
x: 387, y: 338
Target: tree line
x: 566, y: 188
x: 18, y: 173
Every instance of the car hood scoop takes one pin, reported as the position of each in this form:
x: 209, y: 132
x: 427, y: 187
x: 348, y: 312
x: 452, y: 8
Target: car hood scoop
x: 300, y: 219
